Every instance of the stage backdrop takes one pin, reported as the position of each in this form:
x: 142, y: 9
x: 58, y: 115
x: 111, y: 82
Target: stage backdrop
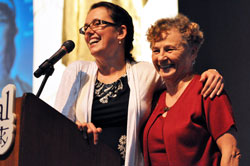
x: 16, y: 44
x: 226, y: 27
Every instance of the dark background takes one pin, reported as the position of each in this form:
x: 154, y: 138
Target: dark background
x: 226, y: 27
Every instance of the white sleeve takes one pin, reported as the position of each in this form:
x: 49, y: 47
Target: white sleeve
x: 68, y: 91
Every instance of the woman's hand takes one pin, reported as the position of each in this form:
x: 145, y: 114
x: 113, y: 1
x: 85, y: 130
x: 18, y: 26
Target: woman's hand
x: 230, y: 153
x: 231, y: 159
x: 213, y: 83
x: 90, y: 132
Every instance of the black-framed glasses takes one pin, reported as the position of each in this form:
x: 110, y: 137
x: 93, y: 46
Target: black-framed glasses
x: 95, y: 25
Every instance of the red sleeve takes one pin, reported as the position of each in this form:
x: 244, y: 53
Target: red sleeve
x: 219, y: 115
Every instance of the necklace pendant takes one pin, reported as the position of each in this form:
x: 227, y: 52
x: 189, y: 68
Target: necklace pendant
x: 166, y: 109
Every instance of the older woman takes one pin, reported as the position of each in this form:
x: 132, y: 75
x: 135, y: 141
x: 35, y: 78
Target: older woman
x: 113, y: 94
x: 185, y: 129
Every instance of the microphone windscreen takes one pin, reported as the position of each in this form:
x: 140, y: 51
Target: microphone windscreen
x: 69, y: 45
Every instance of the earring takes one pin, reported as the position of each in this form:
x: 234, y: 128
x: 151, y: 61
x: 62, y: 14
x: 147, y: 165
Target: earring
x: 120, y: 42
x: 193, y: 62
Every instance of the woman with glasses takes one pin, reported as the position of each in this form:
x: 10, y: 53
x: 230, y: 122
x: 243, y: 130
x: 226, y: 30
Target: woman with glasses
x: 113, y: 94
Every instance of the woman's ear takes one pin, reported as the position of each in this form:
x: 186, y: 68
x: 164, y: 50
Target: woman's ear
x: 122, y: 32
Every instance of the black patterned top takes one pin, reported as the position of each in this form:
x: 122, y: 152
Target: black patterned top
x: 109, y: 111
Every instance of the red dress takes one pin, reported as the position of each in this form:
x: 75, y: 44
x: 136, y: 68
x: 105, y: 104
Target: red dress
x: 189, y: 130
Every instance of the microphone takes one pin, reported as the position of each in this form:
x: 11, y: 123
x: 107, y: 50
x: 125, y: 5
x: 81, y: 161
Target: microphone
x: 67, y: 47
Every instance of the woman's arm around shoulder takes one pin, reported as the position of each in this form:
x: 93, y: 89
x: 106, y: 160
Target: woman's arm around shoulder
x: 213, y: 83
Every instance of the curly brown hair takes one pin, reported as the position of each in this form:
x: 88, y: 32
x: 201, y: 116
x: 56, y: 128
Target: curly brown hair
x: 190, y: 30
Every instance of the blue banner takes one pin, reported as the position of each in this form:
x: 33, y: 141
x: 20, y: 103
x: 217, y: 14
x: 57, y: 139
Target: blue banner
x: 16, y: 44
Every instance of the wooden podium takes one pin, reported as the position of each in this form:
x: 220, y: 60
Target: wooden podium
x: 44, y: 137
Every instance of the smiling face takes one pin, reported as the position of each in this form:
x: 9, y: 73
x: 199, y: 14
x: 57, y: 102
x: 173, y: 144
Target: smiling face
x: 103, y: 41
x: 172, y: 56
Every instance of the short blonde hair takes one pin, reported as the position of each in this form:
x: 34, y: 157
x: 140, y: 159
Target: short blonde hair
x: 190, y: 30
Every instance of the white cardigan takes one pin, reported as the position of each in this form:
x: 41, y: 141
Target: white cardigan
x: 75, y: 96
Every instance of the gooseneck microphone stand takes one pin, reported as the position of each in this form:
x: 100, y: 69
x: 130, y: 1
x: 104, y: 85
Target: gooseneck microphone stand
x: 49, y: 71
